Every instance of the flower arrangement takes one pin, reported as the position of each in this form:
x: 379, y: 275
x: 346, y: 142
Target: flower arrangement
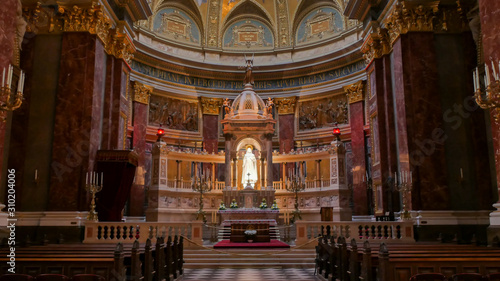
x: 222, y: 206
x: 274, y: 206
x: 250, y: 234
x: 233, y: 204
x: 263, y: 205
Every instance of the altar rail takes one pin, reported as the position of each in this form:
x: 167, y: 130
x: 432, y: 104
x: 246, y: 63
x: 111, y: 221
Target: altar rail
x: 310, y: 184
x: 374, y: 232
x: 127, y: 232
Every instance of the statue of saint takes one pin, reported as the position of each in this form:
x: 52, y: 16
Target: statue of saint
x: 248, y: 73
x: 249, y: 171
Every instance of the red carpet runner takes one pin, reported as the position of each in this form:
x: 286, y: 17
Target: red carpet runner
x: 272, y: 244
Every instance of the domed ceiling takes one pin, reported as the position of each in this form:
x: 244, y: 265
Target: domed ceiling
x: 247, y: 25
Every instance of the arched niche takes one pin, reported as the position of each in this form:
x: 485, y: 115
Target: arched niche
x: 177, y: 24
x: 242, y: 143
x: 318, y: 24
x: 248, y: 33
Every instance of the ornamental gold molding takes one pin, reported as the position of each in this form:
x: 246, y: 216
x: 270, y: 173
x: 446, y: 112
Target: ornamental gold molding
x: 211, y: 106
x: 424, y: 16
x: 376, y: 45
x: 46, y: 19
x: 355, y: 91
x: 120, y: 46
x: 213, y: 23
x: 142, y: 92
x: 283, y: 27
x: 91, y: 20
x: 285, y: 105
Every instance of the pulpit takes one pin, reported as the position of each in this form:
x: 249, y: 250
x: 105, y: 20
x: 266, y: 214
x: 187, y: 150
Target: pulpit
x: 118, y: 168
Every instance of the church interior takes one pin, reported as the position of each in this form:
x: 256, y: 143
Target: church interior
x: 361, y: 136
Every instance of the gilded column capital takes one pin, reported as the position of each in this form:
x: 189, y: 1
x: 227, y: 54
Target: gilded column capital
x: 120, y: 46
x: 376, y: 45
x: 355, y: 91
x: 285, y: 105
x: 210, y: 106
x: 92, y: 20
x: 142, y: 92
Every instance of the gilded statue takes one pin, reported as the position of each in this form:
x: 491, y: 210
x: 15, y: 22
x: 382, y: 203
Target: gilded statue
x: 248, y: 74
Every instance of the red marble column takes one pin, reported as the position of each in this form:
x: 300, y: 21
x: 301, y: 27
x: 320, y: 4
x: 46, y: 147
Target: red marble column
x: 8, y: 32
x: 356, y: 111
x: 140, y: 123
x: 210, y: 137
x: 286, y: 132
x: 377, y: 104
x: 77, y: 124
x: 490, y: 29
x: 420, y: 120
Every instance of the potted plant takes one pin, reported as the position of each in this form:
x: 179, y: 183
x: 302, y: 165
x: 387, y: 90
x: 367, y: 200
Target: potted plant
x: 275, y: 205
x: 222, y: 206
x: 250, y: 235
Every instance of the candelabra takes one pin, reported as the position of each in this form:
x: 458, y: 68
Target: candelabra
x: 295, y: 184
x: 93, y: 187
x: 201, y: 184
x: 9, y: 101
x: 489, y: 98
x: 403, y: 185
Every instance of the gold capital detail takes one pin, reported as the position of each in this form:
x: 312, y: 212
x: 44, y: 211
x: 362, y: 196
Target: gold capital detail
x: 376, y: 45
x: 424, y: 16
x: 211, y: 105
x: 355, y: 91
x: 47, y: 20
x: 142, y: 92
x: 285, y: 105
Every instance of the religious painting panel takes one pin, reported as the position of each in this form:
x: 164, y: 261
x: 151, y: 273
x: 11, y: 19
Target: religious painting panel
x: 319, y: 24
x: 249, y: 33
x: 176, y: 25
x: 173, y: 114
x: 374, y: 133
x: 322, y: 113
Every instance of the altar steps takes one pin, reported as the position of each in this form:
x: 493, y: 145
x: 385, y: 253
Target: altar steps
x: 225, y: 233
x: 246, y: 258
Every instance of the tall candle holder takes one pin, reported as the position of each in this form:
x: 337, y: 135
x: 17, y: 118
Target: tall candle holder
x: 93, y: 187
x: 201, y: 184
x: 488, y: 97
x: 404, y: 186
x: 11, y: 102
x: 295, y: 184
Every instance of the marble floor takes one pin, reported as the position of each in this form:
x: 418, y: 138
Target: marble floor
x: 249, y: 274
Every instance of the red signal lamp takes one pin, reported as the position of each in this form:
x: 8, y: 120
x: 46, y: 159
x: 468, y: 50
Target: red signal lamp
x: 160, y: 133
x: 336, y: 132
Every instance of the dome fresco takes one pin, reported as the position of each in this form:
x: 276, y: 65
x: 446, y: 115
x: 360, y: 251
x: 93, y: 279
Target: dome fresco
x: 175, y: 24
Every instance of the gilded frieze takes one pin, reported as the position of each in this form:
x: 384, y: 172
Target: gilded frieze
x: 92, y: 20
x: 285, y: 105
x: 173, y: 114
x: 210, y: 105
x: 324, y: 112
x: 355, y: 91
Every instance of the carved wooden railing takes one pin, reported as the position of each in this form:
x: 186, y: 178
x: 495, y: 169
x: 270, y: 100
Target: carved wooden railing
x: 380, y: 231
x: 128, y: 232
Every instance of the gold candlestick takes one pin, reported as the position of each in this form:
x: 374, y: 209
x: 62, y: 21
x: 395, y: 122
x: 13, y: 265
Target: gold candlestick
x: 93, y: 187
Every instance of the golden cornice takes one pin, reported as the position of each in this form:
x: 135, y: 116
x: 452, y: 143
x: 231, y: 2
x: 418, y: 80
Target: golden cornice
x: 423, y: 16
x: 91, y: 20
x: 355, y: 91
x: 376, y: 45
x: 142, y: 92
x: 120, y: 46
x: 210, y: 106
x: 285, y: 105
